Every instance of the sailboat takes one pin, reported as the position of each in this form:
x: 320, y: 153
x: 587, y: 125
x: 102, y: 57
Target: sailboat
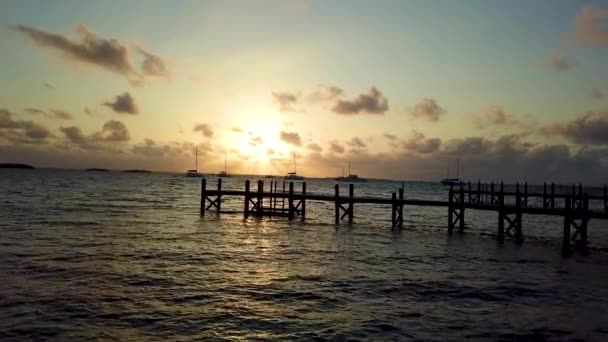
x: 225, y: 172
x: 293, y: 175
x: 194, y: 173
x: 450, y: 181
x: 351, y: 178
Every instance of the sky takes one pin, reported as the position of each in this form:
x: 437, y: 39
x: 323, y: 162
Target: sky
x: 515, y: 90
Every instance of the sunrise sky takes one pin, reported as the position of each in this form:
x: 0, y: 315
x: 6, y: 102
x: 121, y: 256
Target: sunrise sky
x: 517, y: 90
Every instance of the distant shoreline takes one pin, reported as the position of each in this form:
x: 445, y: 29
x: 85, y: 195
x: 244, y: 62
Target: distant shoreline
x: 15, y: 166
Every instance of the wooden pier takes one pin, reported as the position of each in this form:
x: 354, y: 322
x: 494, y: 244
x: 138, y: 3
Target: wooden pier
x: 572, y: 205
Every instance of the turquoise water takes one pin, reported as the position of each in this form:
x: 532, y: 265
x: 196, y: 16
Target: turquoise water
x: 115, y: 256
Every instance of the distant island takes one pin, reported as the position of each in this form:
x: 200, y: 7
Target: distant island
x: 15, y: 166
x: 138, y: 171
x: 96, y: 169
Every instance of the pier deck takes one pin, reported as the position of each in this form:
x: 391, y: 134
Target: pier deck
x: 510, y: 206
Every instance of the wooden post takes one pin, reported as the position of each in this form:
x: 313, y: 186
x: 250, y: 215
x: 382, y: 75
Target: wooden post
x: 394, y: 211
x: 401, y: 214
x: 501, y: 214
x: 492, y: 200
x: 478, y: 191
x: 247, y: 196
x: 461, y: 221
x: 545, y: 195
x: 219, y: 195
x: 271, y: 200
x: 203, y: 195
x: 303, y: 201
x: 605, y: 199
x: 470, y: 192
x: 525, y: 203
x: 337, y: 203
x: 582, y: 245
x: 451, y: 210
x: 552, y: 195
x: 291, y: 212
x: 566, y: 233
x: 260, y: 198
x: 283, y: 199
x: 518, y: 213
x: 351, y: 205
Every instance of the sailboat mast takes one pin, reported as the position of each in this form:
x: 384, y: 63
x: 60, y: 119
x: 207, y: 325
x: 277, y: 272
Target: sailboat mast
x: 458, y: 168
x: 196, y: 159
x: 349, y: 167
x: 225, y: 163
x: 295, y: 169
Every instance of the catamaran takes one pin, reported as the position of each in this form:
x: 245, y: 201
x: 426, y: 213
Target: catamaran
x: 451, y: 181
x: 194, y: 173
x: 351, y: 178
x: 293, y: 175
x: 225, y: 172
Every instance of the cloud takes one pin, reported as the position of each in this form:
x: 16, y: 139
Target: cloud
x: 123, y: 104
x: 373, y: 102
x: 22, y: 131
x: 596, y: 94
x: 324, y: 93
x: 109, y: 54
x: 588, y: 129
x: 427, y: 109
x: 89, y: 48
x: 237, y: 129
x: 286, y: 101
x: 356, y: 143
x: 314, y: 147
x: 205, y: 129
x: 334, y: 146
x: 153, y: 65
x: 112, y: 132
x: 151, y: 148
x: 48, y: 85
x: 419, y: 143
x: 389, y: 136
x: 292, y: 138
x: 496, y: 116
x: 60, y: 114
x: 559, y: 62
x: 591, y: 26
x: 254, y: 141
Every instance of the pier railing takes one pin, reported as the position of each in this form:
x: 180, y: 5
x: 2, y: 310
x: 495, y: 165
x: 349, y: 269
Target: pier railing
x: 573, y: 206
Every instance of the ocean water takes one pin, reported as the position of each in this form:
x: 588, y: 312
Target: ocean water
x: 117, y: 256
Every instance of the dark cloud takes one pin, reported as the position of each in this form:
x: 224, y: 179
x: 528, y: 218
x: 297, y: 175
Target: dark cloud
x: 151, y: 148
x: 22, y: 131
x: 48, y: 85
x: 427, y: 109
x: 373, y: 102
x: 286, y: 101
x: 291, y: 138
x: 112, y: 132
x: 356, y: 142
x: 60, y: 114
x: 269, y: 151
x: 123, y: 104
x: 237, y: 129
x: 419, y: 143
x: 336, y: 147
x: 390, y: 137
x: 205, y: 129
x: 591, y: 26
x: 496, y: 116
x: 153, y: 65
x: 324, y: 93
x: 596, y: 94
x: 254, y: 141
x: 588, y: 129
x: 110, y: 54
x: 559, y: 62
x: 36, y: 111
x: 314, y: 147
